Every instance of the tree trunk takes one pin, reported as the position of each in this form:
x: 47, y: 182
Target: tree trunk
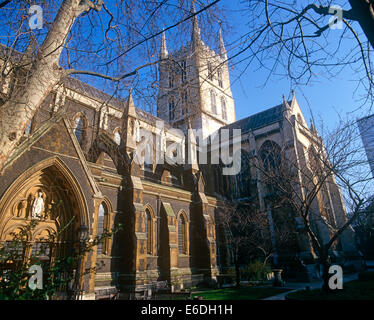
x: 324, y: 260
x: 364, y: 9
x: 44, y: 74
x: 237, y: 273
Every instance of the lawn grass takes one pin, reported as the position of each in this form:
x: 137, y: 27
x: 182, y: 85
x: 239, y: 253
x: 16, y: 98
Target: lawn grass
x: 353, y: 290
x: 243, y: 293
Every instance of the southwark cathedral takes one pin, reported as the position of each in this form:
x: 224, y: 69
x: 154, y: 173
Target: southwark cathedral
x: 77, y: 158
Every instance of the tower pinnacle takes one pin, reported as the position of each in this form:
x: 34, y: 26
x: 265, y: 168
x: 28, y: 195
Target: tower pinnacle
x: 196, y: 33
x: 163, y: 48
x: 130, y: 107
x: 222, y: 49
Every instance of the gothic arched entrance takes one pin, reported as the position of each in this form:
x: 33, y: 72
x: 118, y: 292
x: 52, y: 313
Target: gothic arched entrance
x: 48, y: 197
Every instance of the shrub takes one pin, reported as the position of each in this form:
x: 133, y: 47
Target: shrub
x: 366, y: 276
x: 231, y: 271
x: 255, y: 271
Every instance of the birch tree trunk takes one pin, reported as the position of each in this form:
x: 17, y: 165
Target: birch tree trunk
x: 43, y: 76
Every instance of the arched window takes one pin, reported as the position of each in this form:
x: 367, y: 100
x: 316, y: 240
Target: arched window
x: 224, y: 110
x: 79, y: 129
x: 171, y: 109
x: 243, y: 179
x: 213, y: 101
x: 149, y: 231
x: 184, y: 70
x: 210, y: 71
x: 148, y: 157
x: 117, y: 137
x: 270, y: 154
x: 102, y: 226
x: 182, y: 235
x: 220, y: 81
x: 171, y: 81
x: 185, y: 102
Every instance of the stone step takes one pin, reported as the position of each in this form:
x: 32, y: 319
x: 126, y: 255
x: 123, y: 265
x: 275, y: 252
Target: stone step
x: 105, y: 292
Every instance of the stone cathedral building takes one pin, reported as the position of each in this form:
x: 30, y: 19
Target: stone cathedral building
x: 76, y: 159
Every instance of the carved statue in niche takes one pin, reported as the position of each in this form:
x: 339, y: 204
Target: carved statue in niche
x: 54, y: 209
x: 20, y: 208
x: 37, y: 206
x: 49, y: 213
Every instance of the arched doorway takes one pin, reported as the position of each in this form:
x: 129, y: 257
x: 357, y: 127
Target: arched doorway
x: 45, y: 201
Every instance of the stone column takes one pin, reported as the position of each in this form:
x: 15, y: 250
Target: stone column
x: 204, y: 248
x: 93, y: 255
x: 172, y: 247
x: 140, y: 238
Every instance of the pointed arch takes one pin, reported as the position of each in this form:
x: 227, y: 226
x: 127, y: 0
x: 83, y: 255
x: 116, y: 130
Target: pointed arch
x: 220, y: 77
x: 18, y: 190
x: 150, y: 229
x: 213, y: 101
x: 243, y: 178
x: 80, y: 125
x: 64, y: 208
x: 270, y: 154
x: 7, y: 232
x: 224, y: 108
x: 171, y: 108
x: 183, y: 232
x: 210, y: 71
x: 104, y: 143
x: 104, y: 224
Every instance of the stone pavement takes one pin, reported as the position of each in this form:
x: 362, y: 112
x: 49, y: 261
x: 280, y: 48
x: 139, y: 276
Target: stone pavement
x: 295, y: 286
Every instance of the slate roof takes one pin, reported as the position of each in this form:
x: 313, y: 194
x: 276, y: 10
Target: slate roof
x: 259, y: 120
x: 90, y: 91
x: 86, y: 89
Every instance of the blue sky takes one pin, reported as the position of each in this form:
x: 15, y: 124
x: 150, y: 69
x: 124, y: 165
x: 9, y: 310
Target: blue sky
x: 326, y: 97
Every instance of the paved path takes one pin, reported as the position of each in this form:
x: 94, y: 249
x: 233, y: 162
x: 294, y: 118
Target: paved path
x: 295, y: 286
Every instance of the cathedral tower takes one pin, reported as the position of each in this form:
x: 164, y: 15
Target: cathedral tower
x: 194, y: 85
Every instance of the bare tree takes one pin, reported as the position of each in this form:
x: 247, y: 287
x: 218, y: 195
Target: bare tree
x: 248, y: 234
x: 268, y: 238
x: 90, y: 38
x: 364, y: 229
x: 314, y: 184
x: 234, y: 224
x: 304, y: 40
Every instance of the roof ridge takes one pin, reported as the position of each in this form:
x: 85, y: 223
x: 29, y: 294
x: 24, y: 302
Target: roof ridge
x: 266, y: 110
x: 258, y: 120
